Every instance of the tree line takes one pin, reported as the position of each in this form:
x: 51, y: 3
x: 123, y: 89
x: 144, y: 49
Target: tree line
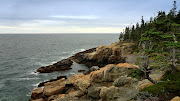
x: 158, y: 35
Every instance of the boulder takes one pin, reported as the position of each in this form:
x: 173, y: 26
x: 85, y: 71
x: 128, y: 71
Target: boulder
x: 72, y: 79
x: 127, y: 65
x: 109, y: 93
x: 36, y: 93
x: 177, y: 98
x: 143, y: 83
x: 113, y: 59
x: 113, y: 93
x: 112, y: 72
x: 77, y: 93
x: 62, y: 65
x: 93, y: 68
x: 83, y: 83
x: 124, y: 80
x: 97, y: 76
x: 101, y: 54
x: 94, y: 92
x: 52, y: 88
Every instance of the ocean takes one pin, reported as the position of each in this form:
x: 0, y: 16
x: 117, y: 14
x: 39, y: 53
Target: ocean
x: 21, y: 55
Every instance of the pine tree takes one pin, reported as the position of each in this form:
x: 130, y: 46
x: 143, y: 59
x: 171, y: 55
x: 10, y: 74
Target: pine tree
x: 172, y: 13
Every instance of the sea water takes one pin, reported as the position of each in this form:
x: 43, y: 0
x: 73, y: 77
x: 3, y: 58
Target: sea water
x: 22, y: 54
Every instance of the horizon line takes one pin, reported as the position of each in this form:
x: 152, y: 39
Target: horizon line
x: 58, y: 33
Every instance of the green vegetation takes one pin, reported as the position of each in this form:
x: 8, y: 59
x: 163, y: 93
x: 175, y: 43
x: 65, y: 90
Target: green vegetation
x: 158, y: 43
x: 160, y: 34
x: 158, y: 39
x: 170, y: 85
x: 136, y: 73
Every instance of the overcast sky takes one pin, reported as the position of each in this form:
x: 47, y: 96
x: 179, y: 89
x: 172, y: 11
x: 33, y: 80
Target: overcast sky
x: 76, y: 16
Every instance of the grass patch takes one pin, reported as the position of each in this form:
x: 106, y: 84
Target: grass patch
x: 136, y: 73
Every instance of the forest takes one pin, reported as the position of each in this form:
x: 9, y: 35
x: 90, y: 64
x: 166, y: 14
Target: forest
x: 158, y: 40
x: 161, y: 34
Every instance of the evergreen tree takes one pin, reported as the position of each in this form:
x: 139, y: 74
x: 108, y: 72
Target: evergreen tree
x: 177, y: 19
x: 172, y: 13
x: 127, y: 33
x: 133, y: 35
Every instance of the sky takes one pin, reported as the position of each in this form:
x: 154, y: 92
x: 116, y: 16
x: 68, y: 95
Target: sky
x: 76, y: 16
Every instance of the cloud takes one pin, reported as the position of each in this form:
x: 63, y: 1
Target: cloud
x: 70, y: 29
x: 43, y: 23
x: 75, y: 17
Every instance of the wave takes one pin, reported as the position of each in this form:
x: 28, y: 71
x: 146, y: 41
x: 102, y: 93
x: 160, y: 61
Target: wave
x: 35, y: 85
x: 78, y: 50
x: 34, y: 73
x: 41, y: 64
x: 82, y: 49
x: 20, y: 79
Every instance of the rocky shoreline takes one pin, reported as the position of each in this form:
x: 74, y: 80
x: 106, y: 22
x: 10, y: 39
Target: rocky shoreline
x: 106, y: 80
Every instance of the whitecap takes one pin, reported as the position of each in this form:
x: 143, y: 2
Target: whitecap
x: 34, y: 73
x: 82, y: 49
x: 29, y: 94
x: 35, y: 85
x: 53, y: 62
x: 63, y: 57
x: 20, y: 79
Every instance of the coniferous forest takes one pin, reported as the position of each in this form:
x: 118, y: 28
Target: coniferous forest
x: 161, y: 34
x: 159, y: 41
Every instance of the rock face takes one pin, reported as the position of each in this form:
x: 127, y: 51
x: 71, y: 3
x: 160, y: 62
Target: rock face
x: 177, y: 98
x: 107, y: 83
x: 58, y: 78
x: 62, y: 65
x: 103, y: 55
x: 36, y: 93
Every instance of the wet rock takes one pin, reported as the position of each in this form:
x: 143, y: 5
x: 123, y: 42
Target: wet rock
x: 61, y: 76
x: 62, y: 65
x: 81, y: 70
